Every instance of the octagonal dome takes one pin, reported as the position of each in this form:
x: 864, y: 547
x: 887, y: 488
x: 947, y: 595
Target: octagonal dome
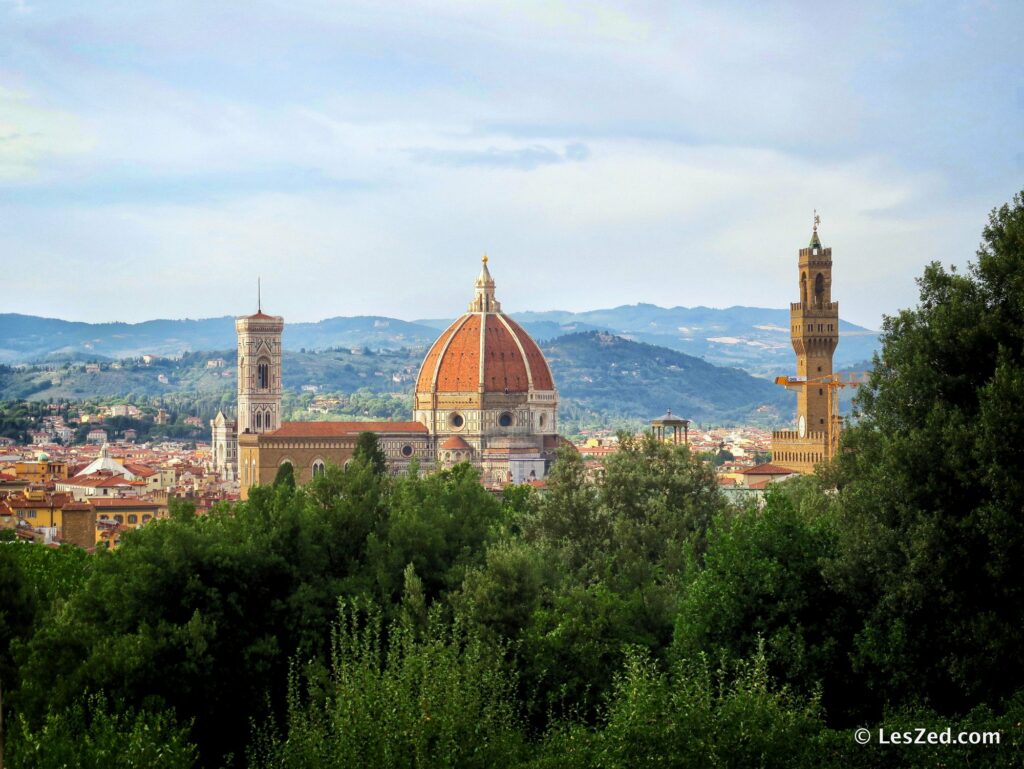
x: 484, y: 351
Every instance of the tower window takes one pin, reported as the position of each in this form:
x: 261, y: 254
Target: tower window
x: 819, y: 289
x: 263, y: 374
x: 259, y: 420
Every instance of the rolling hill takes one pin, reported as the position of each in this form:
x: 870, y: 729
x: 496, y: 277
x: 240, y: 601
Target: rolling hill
x: 752, y: 338
x: 602, y: 379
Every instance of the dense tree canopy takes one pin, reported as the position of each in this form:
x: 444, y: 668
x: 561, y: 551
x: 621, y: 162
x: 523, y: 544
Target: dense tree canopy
x: 627, y: 617
x: 931, y: 493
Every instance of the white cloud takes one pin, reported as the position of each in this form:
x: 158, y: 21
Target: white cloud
x: 31, y: 134
x: 638, y: 221
x: 700, y: 139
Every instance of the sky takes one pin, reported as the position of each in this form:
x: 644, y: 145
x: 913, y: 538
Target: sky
x: 155, y: 157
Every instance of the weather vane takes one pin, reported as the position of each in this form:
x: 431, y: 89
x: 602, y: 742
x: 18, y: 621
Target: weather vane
x: 817, y: 220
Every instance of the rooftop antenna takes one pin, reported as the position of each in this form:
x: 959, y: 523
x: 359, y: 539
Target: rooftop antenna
x: 259, y: 295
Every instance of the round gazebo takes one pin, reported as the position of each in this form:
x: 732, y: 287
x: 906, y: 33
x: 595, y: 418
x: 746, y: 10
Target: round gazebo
x: 672, y: 426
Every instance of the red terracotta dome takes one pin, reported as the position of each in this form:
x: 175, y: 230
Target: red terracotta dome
x: 484, y: 350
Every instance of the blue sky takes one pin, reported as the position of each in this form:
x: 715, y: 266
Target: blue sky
x: 156, y: 156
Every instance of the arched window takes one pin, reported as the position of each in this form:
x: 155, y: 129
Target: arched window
x: 263, y: 374
x: 319, y: 468
x: 803, y: 287
x: 259, y: 420
x: 819, y: 289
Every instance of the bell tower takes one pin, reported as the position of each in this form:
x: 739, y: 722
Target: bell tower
x: 814, y: 332
x: 259, y: 372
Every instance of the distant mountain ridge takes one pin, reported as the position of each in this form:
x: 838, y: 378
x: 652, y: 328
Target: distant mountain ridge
x: 755, y: 339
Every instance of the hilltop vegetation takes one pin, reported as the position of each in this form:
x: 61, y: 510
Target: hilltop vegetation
x: 605, y: 377
x: 603, y: 380
x: 755, y: 339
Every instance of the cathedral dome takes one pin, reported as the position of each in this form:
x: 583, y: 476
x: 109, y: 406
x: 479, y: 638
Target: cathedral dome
x: 484, y: 351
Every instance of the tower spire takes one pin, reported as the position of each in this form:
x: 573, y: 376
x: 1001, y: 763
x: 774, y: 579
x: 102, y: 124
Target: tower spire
x: 815, y: 241
x: 484, y: 300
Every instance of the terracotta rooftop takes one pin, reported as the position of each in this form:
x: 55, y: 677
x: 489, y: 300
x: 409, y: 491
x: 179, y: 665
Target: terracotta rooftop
x: 339, y: 429
x: 767, y: 469
x: 455, y: 442
x: 485, y: 350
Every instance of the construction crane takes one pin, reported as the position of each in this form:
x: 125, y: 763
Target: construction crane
x: 831, y: 383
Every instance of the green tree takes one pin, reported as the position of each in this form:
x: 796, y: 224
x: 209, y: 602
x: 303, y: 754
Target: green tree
x: 695, y: 715
x: 368, y: 450
x: 93, y: 735
x: 762, y: 583
x: 285, y: 477
x: 660, y: 500
x: 569, y: 513
x: 932, y: 536
x: 396, y: 700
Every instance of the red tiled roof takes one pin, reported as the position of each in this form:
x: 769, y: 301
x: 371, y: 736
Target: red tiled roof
x: 510, y: 358
x: 504, y: 365
x: 338, y: 429
x: 542, y: 379
x: 767, y: 469
x: 455, y: 442
x: 426, y: 376
x: 143, y: 471
x: 102, y: 479
x: 557, y: 441
x: 460, y: 365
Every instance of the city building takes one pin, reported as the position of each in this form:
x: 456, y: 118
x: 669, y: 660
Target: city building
x: 224, y: 435
x: 484, y: 395
x: 814, y: 332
